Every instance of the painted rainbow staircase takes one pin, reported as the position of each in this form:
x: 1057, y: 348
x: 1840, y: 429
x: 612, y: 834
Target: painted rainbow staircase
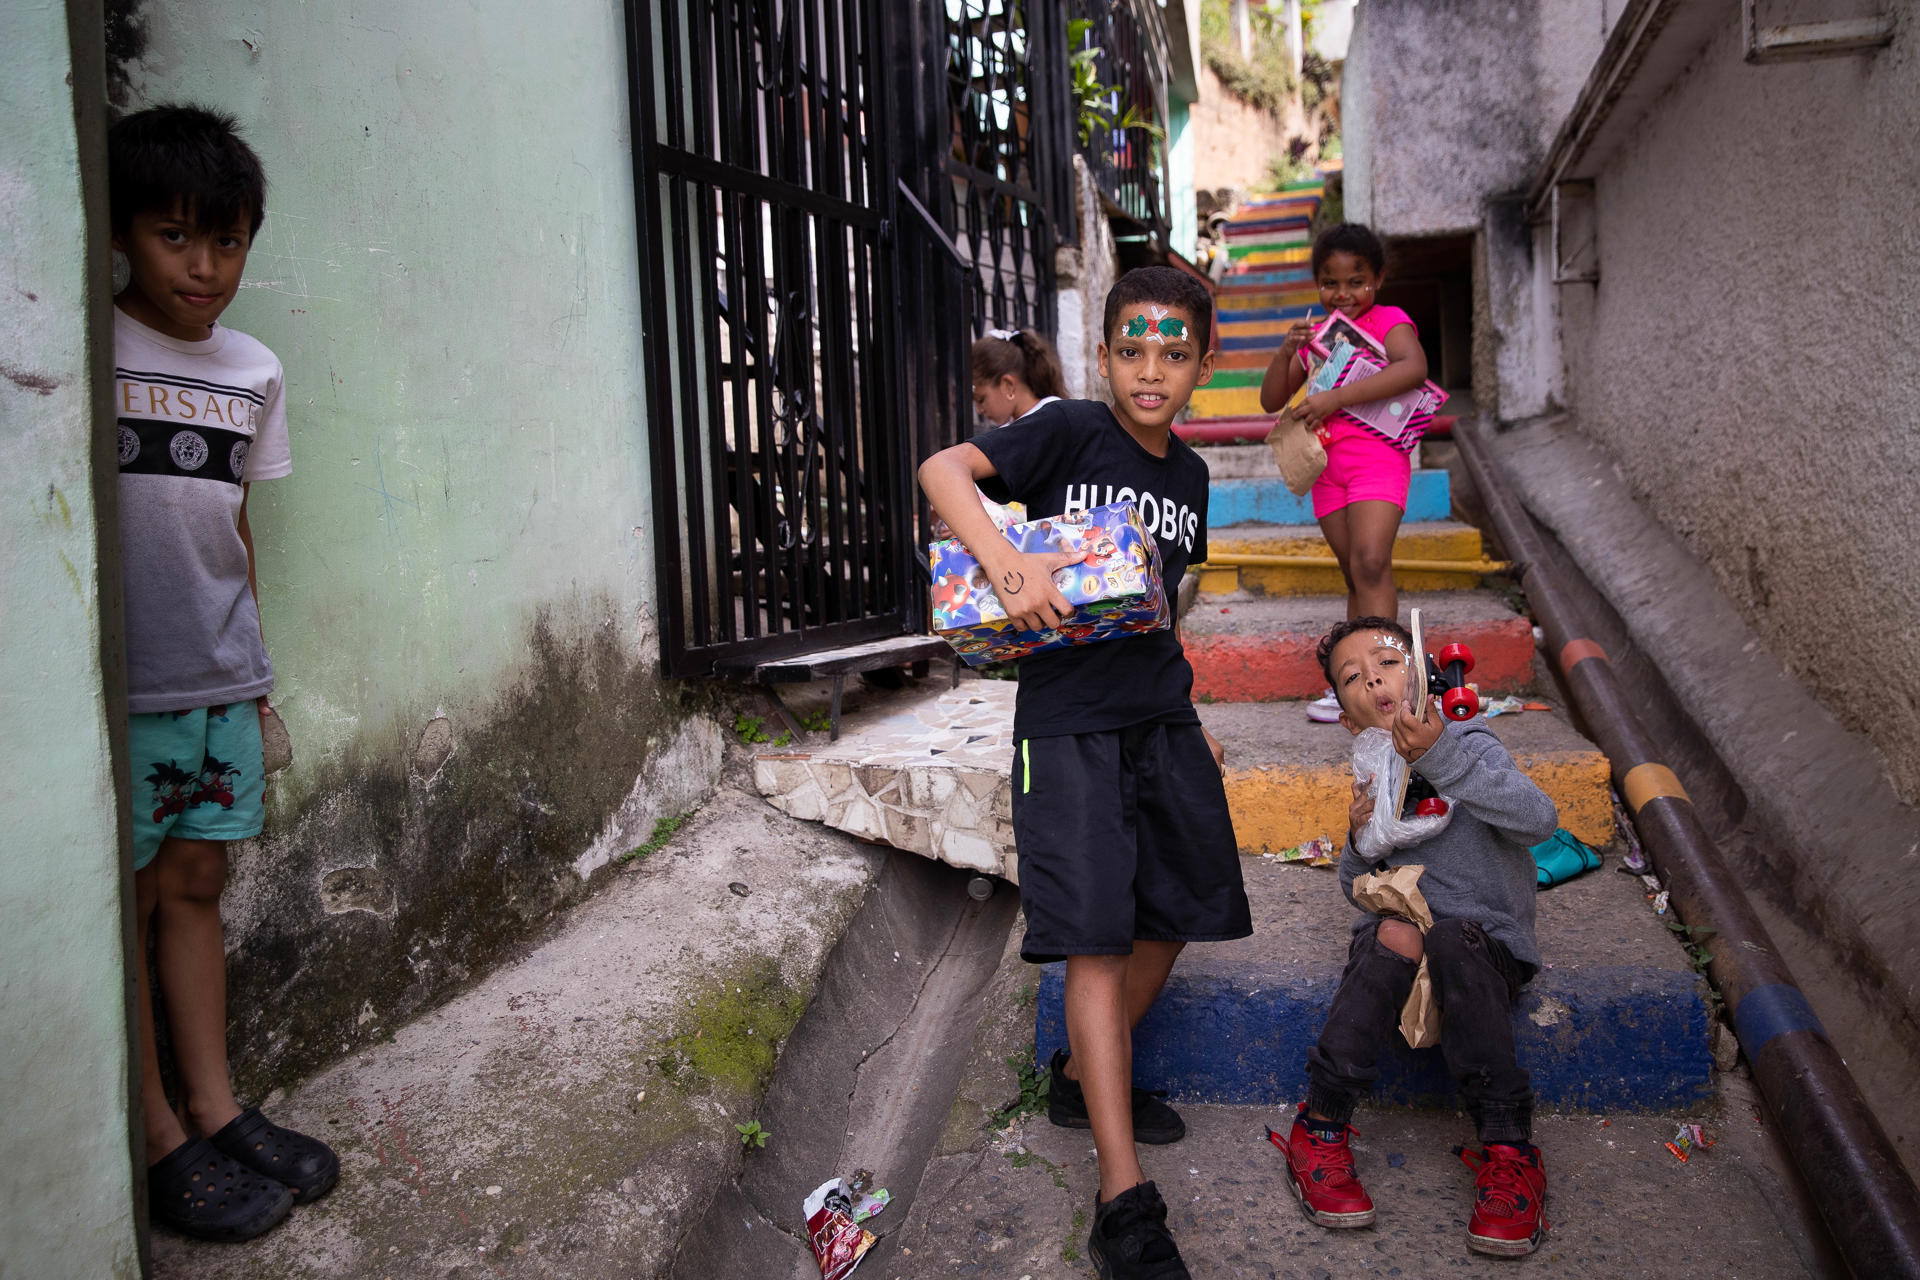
x: 1619, y: 1020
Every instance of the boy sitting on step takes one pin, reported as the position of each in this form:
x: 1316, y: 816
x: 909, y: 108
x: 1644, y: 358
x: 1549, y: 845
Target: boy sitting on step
x: 1479, y: 882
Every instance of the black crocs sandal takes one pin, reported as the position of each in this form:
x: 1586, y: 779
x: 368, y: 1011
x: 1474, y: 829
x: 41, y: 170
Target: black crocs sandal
x: 200, y: 1192
x: 305, y: 1166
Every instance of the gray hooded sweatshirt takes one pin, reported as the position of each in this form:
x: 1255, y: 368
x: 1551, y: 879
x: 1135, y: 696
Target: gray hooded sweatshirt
x: 1481, y: 867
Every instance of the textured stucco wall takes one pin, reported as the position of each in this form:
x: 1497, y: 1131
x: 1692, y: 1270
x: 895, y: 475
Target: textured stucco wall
x: 456, y: 582
x: 1749, y: 356
x: 1234, y: 143
x: 1447, y: 103
x: 1084, y: 274
x: 66, y: 1162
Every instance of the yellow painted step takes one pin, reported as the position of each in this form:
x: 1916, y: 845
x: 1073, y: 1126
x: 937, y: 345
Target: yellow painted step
x: 1232, y: 300
x: 1225, y: 402
x: 1274, y: 329
x: 1274, y: 257
x: 1278, y: 806
x: 1443, y: 540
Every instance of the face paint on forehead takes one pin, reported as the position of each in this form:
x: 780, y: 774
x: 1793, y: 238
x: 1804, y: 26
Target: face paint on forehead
x: 1386, y: 639
x: 1155, y: 325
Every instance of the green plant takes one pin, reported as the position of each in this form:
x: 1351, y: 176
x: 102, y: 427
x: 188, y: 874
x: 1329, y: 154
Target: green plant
x: 1266, y: 81
x: 752, y: 730
x: 1033, y: 1089
x: 1090, y: 94
x: 662, y: 832
x: 1692, y: 941
x: 816, y: 720
x: 752, y: 1136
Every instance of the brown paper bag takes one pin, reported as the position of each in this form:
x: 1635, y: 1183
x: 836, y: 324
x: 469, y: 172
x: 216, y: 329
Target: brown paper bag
x: 1298, y: 451
x: 1396, y: 892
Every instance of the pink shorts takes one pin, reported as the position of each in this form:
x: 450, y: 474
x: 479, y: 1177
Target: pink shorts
x: 1361, y: 467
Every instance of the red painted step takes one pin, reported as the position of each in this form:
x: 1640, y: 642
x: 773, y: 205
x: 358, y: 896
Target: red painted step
x: 1261, y: 649
x: 1224, y: 430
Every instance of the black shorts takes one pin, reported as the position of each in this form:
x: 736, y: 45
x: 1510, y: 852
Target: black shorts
x: 1122, y: 835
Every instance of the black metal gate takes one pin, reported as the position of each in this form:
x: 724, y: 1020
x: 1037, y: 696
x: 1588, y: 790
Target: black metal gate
x: 779, y: 472
x: 835, y: 197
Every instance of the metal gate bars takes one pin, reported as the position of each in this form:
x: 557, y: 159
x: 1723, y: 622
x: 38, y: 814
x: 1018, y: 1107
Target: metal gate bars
x: 779, y: 473
x: 835, y: 197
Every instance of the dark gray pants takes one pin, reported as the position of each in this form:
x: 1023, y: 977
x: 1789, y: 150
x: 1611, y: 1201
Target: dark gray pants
x: 1475, y: 981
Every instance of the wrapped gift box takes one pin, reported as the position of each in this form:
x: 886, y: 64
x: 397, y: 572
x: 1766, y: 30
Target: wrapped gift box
x: 1116, y: 591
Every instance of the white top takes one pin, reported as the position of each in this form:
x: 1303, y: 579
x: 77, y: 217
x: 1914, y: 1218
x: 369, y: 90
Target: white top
x: 196, y: 421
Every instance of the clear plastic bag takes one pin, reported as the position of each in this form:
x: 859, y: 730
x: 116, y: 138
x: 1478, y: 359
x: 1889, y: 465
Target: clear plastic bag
x: 1376, y: 763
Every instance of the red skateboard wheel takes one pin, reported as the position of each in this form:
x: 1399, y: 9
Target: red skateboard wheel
x: 1460, y: 704
x: 1431, y: 807
x: 1457, y: 652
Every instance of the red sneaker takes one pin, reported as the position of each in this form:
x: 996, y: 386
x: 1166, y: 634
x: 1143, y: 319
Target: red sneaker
x: 1510, y: 1199
x: 1322, y: 1177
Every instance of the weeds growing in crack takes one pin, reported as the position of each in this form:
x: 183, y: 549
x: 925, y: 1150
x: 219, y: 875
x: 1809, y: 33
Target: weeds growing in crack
x: 1033, y: 1090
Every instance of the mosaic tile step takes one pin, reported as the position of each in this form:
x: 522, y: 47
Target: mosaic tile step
x: 927, y: 775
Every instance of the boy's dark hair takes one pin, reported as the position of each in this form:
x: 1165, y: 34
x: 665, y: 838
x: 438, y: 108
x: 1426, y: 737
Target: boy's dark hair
x: 1344, y: 629
x: 1027, y: 355
x: 1355, y: 238
x: 184, y: 156
x: 1168, y: 286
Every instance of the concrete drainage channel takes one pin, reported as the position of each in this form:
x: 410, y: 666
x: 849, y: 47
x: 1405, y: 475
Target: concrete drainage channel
x: 869, y: 1074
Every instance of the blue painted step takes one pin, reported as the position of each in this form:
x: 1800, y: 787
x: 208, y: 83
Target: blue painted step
x: 1267, y: 500
x: 1229, y: 314
x: 1272, y: 278
x: 1600, y: 1038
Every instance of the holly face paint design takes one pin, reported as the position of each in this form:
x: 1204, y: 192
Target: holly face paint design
x: 1389, y: 641
x: 1158, y: 327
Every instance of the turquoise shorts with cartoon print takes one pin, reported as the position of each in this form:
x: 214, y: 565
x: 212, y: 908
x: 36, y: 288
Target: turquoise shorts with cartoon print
x: 196, y: 776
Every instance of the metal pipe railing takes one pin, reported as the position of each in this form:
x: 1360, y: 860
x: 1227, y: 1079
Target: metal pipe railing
x: 1851, y: 1169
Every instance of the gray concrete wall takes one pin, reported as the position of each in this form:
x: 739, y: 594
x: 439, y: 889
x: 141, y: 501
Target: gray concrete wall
x: 456, y: 582
x: 1442, y: 107
x: 1084, y: 272
x: 1749, y: 356
x: 67, y: 1203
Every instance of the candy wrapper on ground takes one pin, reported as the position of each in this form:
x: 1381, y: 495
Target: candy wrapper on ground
x: 1116, y: 591
x: 834, y: 1212
x: 1691, y: 1138
x: 1317, y: 852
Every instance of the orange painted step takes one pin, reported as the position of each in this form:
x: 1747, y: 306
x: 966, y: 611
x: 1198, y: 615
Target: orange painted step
x: 1261, y: 649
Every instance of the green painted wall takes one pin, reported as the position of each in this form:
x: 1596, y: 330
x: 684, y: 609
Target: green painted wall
x: 66, y: 1172
x: 456, y: 581
x: 1185, y: 231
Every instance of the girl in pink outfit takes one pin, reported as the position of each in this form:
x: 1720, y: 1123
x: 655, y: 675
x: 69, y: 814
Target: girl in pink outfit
x: 1361, y: 496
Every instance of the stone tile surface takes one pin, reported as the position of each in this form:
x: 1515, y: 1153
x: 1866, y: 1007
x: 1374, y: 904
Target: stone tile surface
x: 927, y: 774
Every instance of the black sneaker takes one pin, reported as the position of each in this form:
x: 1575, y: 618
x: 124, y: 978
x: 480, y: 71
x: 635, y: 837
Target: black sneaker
x: 1154, y: 1122
x: 1130, y: 1241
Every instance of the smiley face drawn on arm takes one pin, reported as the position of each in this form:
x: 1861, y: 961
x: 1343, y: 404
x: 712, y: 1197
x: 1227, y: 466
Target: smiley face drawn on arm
x: 1013, y: 581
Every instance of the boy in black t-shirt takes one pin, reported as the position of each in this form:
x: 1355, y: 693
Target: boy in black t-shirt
x: 1126, y: 849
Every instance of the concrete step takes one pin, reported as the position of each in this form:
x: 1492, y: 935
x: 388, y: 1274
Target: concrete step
x: 1619, y: 1022
x: 1270, y: 256
x: 1226, y: 402
x: 1261, y: 649
x: 929, y: 773
x: 1267, y: 323
x: 1239, y: 320
x: 1225, y: 431
x: 1289, y: 779
x: 1267, y: 500
x: 1257, y: 277
x: 1290, y: 222
x: 1239, y: 360
x: 1436, y: 540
